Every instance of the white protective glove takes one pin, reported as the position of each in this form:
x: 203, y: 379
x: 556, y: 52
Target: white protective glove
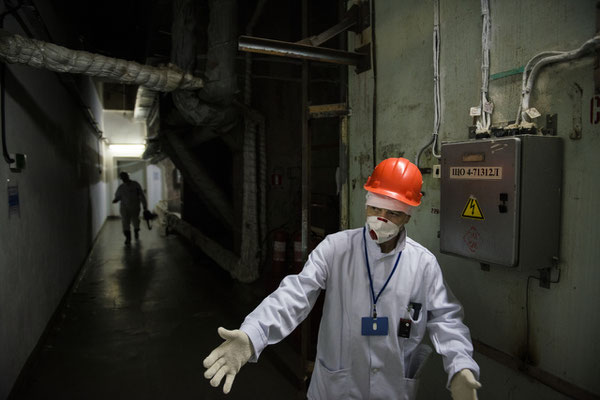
x: 228, y: 358
x: 464, y: 385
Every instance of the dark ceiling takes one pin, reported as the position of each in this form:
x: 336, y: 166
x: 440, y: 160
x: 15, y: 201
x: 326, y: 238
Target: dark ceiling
x: 131, y: 29
x: 135, y: 30
x: 140, y: 30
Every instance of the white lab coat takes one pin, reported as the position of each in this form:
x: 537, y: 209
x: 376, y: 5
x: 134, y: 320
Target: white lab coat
x: 350, y: 365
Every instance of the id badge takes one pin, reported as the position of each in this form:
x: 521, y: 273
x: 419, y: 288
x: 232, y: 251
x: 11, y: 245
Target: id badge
x: 374, y: 326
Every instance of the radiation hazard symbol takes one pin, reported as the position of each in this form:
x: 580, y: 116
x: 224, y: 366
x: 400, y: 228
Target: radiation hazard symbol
x: 472, y: 210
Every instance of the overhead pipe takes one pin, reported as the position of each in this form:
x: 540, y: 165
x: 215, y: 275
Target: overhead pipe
x: 301, y: 51
x: 16, y: 49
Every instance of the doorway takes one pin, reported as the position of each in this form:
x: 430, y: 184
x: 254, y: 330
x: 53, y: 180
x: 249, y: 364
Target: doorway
x: 136, y: 170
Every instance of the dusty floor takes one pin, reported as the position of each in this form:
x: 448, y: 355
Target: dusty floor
x: 138, y: 324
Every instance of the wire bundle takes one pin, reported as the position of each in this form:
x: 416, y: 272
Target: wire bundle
x: 437, y: 108
x: 533, y: 66
x: 436, y: 86
x: 484, y: 122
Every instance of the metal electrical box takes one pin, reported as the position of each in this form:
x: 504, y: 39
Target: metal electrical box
x: 501, y: 200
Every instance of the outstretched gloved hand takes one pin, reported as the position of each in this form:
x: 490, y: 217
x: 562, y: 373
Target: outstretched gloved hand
x: 464, y: 385
x: 227, y: 359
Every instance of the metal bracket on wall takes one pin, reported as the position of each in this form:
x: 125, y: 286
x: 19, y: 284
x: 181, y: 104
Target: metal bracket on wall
x: 365, y: 62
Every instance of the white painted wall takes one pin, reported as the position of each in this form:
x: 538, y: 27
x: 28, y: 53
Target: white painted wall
x: 155, y: 185
x: 120, y: 128
x: 564, y: 319
x: 62, y: 194
x: 62, y: 207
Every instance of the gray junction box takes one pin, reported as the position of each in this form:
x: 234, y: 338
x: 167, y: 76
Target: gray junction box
x: 501, y: 200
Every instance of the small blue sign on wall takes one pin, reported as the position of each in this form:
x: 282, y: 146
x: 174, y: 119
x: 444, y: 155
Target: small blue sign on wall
x: 13, y: 200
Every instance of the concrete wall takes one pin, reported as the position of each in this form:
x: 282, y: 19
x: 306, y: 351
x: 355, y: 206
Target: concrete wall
x: 61, y: 205
x: 564, y: 320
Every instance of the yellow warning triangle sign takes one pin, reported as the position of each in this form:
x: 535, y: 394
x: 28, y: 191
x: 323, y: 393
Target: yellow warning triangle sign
x: 472, y: 210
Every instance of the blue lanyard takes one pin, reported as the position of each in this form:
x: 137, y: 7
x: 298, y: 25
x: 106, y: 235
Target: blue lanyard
x: 375, y: 298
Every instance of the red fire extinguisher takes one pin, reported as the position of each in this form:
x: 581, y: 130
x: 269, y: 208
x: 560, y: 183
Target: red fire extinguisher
x: 278, y: 260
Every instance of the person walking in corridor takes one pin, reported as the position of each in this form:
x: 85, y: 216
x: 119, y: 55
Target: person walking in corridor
x: 383, y: 293
x: 130, y: 194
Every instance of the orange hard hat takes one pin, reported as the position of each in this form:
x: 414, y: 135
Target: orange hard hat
x: 397, y: 178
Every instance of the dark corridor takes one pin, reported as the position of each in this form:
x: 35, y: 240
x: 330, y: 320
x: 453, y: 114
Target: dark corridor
x: 138, y: 323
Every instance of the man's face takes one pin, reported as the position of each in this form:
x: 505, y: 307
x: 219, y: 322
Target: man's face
x: 397, y: 217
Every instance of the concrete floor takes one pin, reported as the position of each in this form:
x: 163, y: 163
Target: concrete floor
x: 138, y: 324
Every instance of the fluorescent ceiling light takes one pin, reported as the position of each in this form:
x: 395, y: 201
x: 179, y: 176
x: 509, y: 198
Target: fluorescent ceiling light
x: 127, y: 150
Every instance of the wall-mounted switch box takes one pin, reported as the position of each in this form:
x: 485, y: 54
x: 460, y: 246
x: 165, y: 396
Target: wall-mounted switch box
x: 501, y: 200
x: 437, y: 171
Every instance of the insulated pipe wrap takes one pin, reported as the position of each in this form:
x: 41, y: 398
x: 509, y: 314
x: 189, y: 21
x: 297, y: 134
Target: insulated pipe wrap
x: 16, y: 49
x: 221, y: 81
x: 247, y: 268
x: 210, y: 106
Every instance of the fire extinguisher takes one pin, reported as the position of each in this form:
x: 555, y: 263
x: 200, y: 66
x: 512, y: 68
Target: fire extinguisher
x: 278, y: 260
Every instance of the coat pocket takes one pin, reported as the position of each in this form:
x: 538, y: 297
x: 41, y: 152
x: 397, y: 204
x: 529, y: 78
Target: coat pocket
x: 410, y: 389
x: 328, y: 384
x: 413, y: 368
x: 417, y: 360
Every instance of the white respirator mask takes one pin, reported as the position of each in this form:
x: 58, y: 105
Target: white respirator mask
x: 381, y: 229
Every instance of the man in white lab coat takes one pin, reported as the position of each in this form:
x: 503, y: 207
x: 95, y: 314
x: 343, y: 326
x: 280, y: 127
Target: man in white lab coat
x: 130, y: 194
x: 383, y: 292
